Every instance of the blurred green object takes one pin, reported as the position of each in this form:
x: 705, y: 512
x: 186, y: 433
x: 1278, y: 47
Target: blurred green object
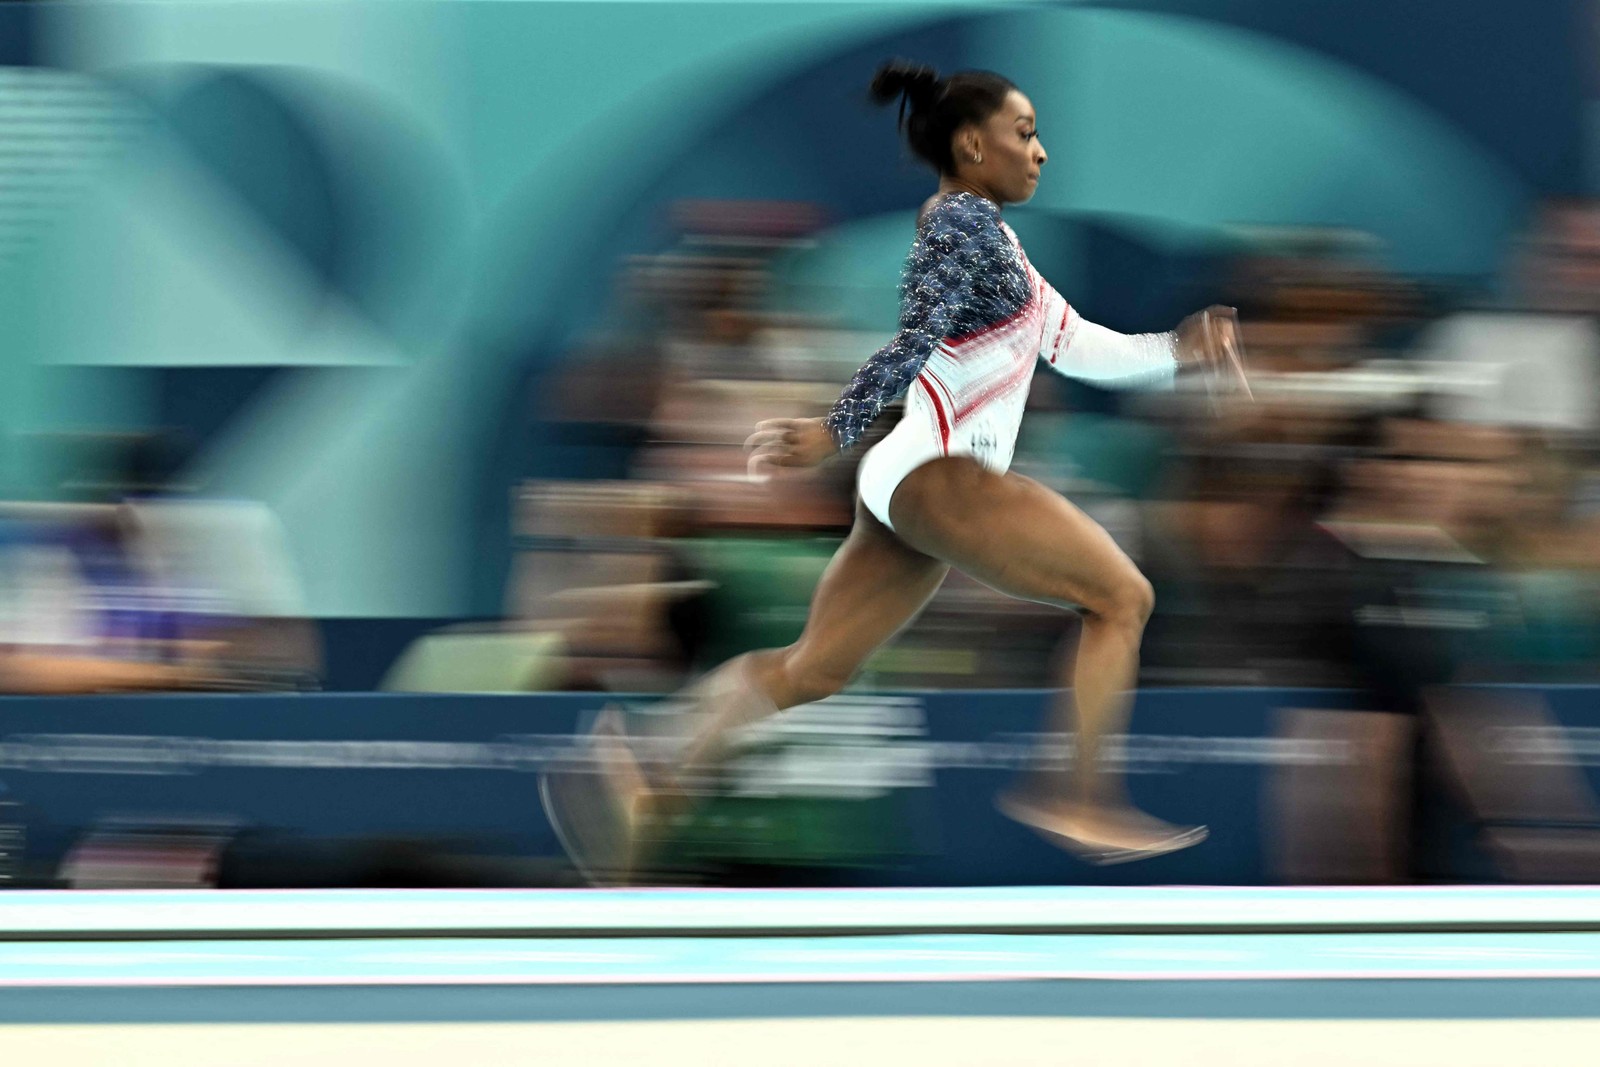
x: 762, y: 589
x: 815, y: 799
x: 1560, y: 628
x: 468, y: 661
x: 761, y: 592
x: 835, y: 833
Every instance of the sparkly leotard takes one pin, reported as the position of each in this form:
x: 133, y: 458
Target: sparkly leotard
x: 975, y: 318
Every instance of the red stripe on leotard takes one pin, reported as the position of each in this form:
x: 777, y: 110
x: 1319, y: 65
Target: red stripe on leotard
x: 949, y: 397
x: 1055, y: 349
x: 1009, y: 320
x: 938, y: 411
x: 1015, y: 380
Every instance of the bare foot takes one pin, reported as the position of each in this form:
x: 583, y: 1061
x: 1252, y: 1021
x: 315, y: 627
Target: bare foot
x: 647, y: 806
x: 1100, y: 834
x: 619, y: 768
x: 591, y: 803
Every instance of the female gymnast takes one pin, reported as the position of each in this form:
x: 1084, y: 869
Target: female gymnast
x: 936, y: 493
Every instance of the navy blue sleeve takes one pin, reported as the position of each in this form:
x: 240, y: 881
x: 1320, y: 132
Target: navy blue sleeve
x: 956, y: 243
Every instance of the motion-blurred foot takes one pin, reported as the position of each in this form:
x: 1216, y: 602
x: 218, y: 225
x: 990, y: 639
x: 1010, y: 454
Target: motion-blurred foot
x: 1100, y: 834
x: 592, y: 800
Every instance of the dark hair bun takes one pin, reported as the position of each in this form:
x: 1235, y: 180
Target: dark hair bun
x: 918, y: 83
x: 933, y: 108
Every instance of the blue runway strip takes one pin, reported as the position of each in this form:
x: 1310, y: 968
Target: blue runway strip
x: 386, y: 956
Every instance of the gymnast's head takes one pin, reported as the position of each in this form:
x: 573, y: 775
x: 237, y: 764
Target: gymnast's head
x: 974, y: 128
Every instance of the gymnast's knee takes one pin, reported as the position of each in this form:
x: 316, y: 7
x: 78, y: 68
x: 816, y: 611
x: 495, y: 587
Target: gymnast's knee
x: 1129, y: 602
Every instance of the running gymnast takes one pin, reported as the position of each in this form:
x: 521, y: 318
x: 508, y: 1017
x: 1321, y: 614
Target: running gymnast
x: 936, y: 493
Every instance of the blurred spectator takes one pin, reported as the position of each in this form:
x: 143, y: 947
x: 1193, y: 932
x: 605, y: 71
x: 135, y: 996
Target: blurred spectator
x: 148, y: 590
x: 1532, y: 362
x: 78, y: 615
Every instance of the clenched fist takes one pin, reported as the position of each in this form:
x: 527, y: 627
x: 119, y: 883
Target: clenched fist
x: 788, y: 443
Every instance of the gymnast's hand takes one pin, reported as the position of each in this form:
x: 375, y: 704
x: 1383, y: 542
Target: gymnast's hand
x: 788, y: 443
x: 1209, y: 340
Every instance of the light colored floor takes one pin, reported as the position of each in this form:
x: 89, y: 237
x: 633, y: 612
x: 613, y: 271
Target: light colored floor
x: 923, y: 1042
x: 653, y: 912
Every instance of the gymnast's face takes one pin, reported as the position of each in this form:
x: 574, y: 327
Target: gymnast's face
x: 1007, y: 143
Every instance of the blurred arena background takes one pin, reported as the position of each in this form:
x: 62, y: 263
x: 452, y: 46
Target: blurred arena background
x: 372, y: 384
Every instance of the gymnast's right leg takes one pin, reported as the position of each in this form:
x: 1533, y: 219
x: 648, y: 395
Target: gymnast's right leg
x: 872, y: 588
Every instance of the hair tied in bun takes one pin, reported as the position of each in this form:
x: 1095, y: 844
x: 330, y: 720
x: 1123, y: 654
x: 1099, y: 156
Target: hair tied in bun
x: 938, y: 106
x: 912, y: 83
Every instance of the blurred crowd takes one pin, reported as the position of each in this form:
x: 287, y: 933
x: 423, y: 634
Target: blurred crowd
x: 1410, y: 497
x: 127, y: 582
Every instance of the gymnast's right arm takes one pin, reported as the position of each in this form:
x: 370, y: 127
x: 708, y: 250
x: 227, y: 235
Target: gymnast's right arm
x: 954, y: 242
x: 950, y: 250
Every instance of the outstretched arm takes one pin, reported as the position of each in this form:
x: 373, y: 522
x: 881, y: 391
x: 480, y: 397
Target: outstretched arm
x: 1078, y: 348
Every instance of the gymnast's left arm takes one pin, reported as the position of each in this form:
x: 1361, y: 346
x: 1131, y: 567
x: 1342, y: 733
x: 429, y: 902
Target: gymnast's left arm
x: 1078, y: 348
